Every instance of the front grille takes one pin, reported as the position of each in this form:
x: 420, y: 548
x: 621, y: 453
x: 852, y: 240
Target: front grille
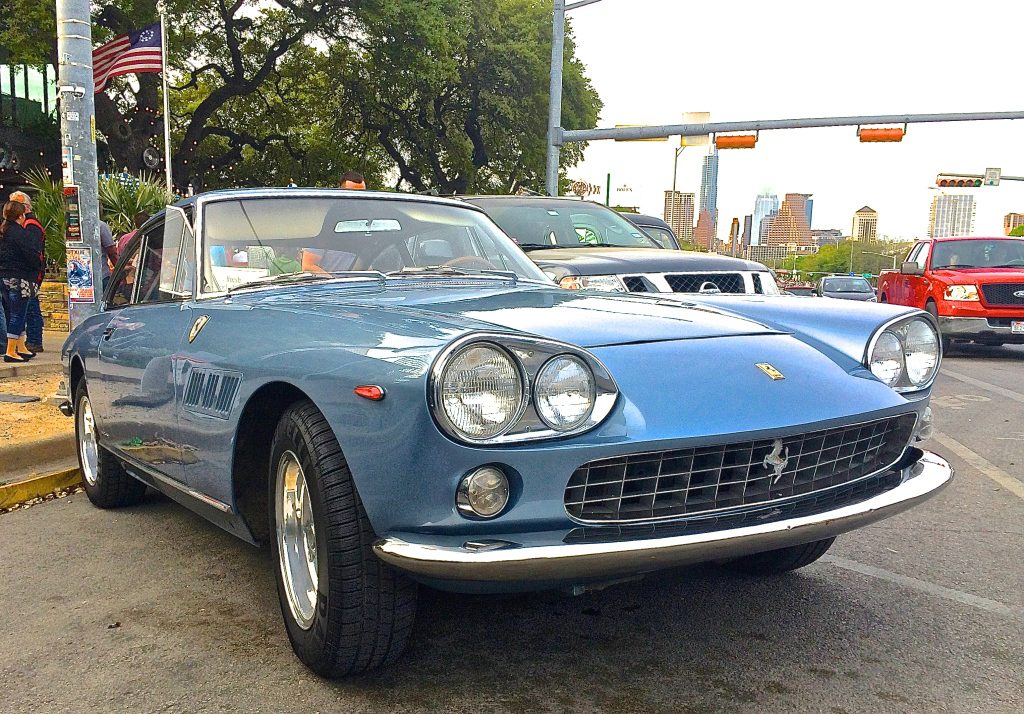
x: 692, y: 282
x: 810, y: 505
x: 684, y: 482
x: 997, y: 294
x: 635, y: 284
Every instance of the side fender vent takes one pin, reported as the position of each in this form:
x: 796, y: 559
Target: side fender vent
x: 211, y: 392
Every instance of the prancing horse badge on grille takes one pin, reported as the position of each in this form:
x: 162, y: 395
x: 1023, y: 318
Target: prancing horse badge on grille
x: 775, y: 374
x: 776, y: 460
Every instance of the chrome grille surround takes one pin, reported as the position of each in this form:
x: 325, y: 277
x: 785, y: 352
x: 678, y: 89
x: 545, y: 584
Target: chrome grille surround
x: 676, y: 282
x: 679, y: 483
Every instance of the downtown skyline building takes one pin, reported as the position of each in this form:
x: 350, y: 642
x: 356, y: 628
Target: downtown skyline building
x: 865, y: 224
x: 764, y: 205
x: 1011, y: 221
x: 951, y: 215
x: 709, y: 190
x: 789, y: 226
x: 679, y: 213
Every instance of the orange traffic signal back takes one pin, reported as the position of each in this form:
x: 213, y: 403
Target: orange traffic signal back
x: 874, y: 135
x: 735, y: 141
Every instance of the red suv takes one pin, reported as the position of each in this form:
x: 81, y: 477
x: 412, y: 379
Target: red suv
x: 974, y: 287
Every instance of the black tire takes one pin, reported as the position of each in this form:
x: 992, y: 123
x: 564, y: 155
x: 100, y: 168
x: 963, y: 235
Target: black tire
x: 783, y: 560
x: 364, y: 609
x: 883, y: 298
x: 107, y: 485
x: 931, y: 309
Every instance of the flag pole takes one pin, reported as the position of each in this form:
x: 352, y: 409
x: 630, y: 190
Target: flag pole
x: 167, y: 104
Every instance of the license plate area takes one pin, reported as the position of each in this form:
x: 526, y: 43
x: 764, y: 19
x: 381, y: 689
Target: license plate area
x: 1017, y: 327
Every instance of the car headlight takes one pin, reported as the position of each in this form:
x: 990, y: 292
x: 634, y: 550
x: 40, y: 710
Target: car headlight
x: 886, y: 359
x: 608, y: 283
x: 563, y: 392
x: 905, y: 354
x: 498, y: 388
x: 962, y: 292
x: 481, y: 391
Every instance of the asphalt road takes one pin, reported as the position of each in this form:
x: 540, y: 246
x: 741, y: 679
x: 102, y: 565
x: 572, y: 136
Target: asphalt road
x: 150, y: 609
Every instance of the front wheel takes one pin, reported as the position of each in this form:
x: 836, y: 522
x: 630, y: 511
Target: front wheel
x: 345, y: 610
x: 947, y: 344
x: 107, y: 484
x: 783, y: 560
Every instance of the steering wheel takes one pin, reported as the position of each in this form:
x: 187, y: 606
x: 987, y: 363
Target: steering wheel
x: 472, y: 262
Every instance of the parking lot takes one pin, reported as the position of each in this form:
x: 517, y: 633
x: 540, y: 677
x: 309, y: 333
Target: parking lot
x: 152, y: 609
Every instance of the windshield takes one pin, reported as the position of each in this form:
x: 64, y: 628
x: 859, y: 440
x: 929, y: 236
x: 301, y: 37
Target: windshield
x: 995, y: 253
x: 847, y: 285
x: 662, y: 235
x: 252, y: 239
x: 538, y: 223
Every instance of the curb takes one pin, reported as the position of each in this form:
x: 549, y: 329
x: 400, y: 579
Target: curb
x: 19, y: 492
x: 27, y: 454
x: 27, y: 370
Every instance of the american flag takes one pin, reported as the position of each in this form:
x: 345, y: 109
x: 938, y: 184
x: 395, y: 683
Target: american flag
x: 135, y: 52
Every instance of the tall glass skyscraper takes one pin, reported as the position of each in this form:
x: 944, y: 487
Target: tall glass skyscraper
x: 709, y: 189
x: 765, y: 205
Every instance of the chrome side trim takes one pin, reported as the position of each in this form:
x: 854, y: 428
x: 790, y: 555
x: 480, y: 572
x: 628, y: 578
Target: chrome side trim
x: 561, y: 562
x: 144, y: 473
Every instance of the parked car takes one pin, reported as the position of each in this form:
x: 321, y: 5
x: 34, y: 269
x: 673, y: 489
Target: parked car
x: 385, y: 391
x: 845, y: 287
x: 584, y: 245
x: 974, y: 287
x: 656, y: 228
x: 800, y: 290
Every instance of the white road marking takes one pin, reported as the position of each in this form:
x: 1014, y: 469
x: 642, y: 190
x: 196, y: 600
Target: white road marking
x: 979, y: 462
x: 982, y: 603
x: 1008, y: 393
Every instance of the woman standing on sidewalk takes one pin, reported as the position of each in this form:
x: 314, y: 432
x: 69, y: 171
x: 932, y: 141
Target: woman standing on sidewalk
x: 20, y: 262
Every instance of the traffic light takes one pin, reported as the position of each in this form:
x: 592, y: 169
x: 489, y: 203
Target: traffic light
x: 954, y: 181
x: 875, y: 135
x: 735, y: 141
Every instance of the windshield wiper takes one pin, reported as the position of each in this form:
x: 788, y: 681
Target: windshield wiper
x: 287, y: 278
x: 539, y: 246
x: 616, y: 245
x: 955, y: 267
x: 455, y: 270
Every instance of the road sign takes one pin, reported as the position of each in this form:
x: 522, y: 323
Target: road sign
x: 866, y: 276
x: 992, y: 176
x: 697, y: 139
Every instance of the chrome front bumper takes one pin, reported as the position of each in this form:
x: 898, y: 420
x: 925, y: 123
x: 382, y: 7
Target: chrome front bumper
x: 516, y: 563
x: 976, y: 328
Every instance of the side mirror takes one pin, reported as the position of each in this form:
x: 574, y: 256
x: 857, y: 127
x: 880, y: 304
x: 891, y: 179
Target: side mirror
x: 911, y: 268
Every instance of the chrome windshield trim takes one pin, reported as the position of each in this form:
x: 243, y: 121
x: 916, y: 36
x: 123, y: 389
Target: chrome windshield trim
x: 561, y: 562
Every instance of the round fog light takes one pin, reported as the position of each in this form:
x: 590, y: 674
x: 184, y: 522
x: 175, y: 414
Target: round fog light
x: 483, y: 493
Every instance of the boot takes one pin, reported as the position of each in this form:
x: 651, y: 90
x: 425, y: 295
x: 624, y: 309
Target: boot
x: 12, y: 351
x: 23, y: 351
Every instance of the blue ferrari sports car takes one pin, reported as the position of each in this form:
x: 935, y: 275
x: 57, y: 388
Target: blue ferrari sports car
x: 386, y: 391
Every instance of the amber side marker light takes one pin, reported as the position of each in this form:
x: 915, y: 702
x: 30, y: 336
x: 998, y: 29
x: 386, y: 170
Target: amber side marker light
x: 369, y: 391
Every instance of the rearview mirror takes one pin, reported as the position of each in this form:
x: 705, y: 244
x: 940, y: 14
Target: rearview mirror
x: 911, y: 268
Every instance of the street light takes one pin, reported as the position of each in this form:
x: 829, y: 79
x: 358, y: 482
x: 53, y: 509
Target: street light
x: 555, y: 90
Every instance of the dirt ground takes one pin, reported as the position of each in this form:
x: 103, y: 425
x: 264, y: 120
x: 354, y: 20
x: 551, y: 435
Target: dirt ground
x: 35, y: 419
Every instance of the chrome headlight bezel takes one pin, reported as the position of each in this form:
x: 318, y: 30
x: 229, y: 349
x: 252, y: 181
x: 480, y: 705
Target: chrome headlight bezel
x: 530, y: 355
x: 897, y: 327
x: 604, y: 283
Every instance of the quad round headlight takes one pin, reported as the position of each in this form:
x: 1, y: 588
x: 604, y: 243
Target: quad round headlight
x: 886, y: 358
x: 921, y: 351
x: 481, y: 391
x: 564, y: 392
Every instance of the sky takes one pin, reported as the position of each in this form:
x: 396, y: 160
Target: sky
x: 652, y: 60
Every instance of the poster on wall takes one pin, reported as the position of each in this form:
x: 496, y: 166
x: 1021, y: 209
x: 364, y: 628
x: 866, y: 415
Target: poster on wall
x: 67, y: 164
x: 81, y: 287
x: 72, y: 215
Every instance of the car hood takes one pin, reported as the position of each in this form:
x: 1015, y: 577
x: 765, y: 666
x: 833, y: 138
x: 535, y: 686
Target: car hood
x: 981, y: 275
x: 581, y: 318
x: 618, y: 261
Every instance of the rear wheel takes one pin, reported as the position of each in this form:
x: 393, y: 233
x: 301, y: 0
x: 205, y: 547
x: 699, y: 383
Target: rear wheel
x: 783, y: 560
x: 344, y: 609
x: 107, y: 484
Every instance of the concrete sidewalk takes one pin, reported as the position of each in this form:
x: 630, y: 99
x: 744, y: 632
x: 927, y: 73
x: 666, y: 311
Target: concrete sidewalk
x: 43, y: 363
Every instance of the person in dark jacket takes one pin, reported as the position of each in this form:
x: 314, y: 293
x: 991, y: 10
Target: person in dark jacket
x: 20, y: 263
x: 34, y: 316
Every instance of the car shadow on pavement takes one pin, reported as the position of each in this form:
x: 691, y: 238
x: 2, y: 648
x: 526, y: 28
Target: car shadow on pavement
x: 986, y: 351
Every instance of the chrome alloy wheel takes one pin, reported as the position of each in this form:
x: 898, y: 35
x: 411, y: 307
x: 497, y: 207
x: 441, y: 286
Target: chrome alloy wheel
x: 296, y: 540
x: 88, y: 447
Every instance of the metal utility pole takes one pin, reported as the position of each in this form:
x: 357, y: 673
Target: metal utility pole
x: 78, y: 141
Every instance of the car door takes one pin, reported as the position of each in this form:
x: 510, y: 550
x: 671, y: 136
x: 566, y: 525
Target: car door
x: 901, y: 291
x: 139, y: 351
